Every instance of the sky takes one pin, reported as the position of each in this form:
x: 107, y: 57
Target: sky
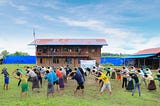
x: 127, y: 25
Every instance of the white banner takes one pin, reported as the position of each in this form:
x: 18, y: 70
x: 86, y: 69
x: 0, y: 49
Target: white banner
x: 87, y: 63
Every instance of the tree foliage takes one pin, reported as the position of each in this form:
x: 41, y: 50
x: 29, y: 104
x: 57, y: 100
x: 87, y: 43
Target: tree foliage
x: 5, y: 53
x: 19, y: 53
x: 113, y: 55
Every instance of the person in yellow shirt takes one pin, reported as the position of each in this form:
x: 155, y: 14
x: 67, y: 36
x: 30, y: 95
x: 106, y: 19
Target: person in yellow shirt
x: 106, y: 83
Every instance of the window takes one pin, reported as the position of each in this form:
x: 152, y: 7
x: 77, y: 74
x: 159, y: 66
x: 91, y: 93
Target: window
x: 78, y: 49
x: 79, y: 60
x: 65, y: 49
x: 93, y: 49
x: 69, y: 60
x: 41, y: 60
x: 39, y: 51
x: 69, y: 50
x: 52, y: 51
x: 44, y: 50
x: 56, y: 60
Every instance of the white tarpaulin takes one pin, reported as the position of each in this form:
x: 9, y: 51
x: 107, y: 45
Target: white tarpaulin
x: 87, y: 63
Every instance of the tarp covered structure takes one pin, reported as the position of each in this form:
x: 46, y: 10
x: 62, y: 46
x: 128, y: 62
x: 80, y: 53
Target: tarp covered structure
x: 114, y: 61
x: 32, y: 60
x: 140, y: 56
x: 19, y: 60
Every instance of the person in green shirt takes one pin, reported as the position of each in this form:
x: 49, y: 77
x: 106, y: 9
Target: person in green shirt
x: 24, y: 83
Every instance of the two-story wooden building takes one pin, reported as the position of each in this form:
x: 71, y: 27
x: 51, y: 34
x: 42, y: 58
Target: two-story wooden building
x: 60, y: 52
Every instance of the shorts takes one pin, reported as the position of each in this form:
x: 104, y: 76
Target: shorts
x: 24, y: 87
x: 6, y: 80
x: 56, y: 82
x: 80, y: 86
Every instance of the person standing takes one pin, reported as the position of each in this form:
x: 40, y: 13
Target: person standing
x: 6, y: 78
x: 50, y: 87
x: 125, y: 72
x: 136, y: 85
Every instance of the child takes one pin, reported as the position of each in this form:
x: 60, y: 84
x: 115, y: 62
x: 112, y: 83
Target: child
x: 50, y: 88
x: 6, y: 78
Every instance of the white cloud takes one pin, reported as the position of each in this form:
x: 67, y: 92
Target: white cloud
x: 88, y: 23
x: 18, y: 7
x: 120, y: 40
x: 49, y: 18
x: 20, y: 45
x: 20, y: 21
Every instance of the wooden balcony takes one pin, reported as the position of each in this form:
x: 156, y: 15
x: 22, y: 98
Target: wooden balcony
x: 63, y: 54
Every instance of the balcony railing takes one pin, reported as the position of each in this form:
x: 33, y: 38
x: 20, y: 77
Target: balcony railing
x: 64, y: 54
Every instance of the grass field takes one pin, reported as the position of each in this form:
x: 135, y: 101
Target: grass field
x: 120, y: 97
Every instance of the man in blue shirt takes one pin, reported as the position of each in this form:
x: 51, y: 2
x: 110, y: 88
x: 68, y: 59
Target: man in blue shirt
x: 50, y: 88
x: 55, y: 80
x: 76, y: 76
x: 6, y: 78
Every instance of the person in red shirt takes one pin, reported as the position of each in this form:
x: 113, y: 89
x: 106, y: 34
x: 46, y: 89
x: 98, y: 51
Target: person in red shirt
x: 60, y: 77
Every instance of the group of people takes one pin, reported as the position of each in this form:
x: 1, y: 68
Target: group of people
x: 131, y: 78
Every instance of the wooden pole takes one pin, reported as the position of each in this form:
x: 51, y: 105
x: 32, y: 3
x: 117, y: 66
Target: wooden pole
x: 35, y: 43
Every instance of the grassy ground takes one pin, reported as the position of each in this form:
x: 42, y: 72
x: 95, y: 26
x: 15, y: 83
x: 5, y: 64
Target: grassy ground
x: 120, y: 97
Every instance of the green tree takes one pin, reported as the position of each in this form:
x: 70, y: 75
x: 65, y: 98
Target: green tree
x: 5, y: 53
x: 19, y: 53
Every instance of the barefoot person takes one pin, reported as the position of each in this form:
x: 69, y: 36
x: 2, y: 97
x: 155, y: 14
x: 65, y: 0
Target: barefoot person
x: 24, y: 83
x: 106, y: 83
x: 50, y: 87
x: 76, y: 76
x: 6, y: 78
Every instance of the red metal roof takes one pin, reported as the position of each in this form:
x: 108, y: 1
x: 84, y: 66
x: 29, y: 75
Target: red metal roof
x: 69, y: 42
x: 149, y: 51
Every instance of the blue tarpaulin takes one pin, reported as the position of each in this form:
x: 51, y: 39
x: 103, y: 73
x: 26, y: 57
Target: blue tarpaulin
x: 32, y: 60
x: 114, y: 61
x: 19, y: 60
